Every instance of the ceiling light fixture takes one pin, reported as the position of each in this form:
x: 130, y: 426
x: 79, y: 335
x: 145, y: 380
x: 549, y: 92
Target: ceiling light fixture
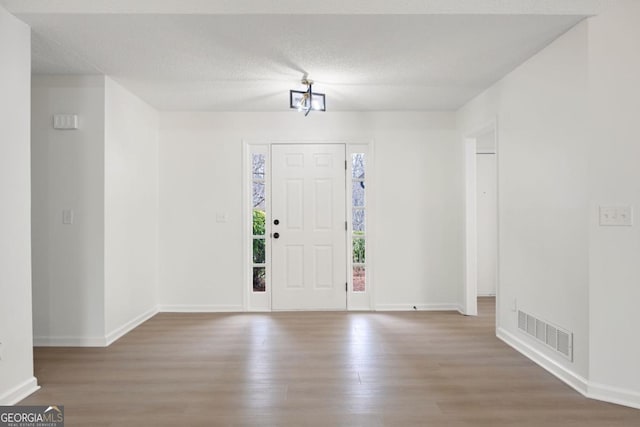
x: 306, y: 100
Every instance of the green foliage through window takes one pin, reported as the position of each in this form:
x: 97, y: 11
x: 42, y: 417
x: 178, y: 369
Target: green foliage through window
x: 259, y: 244
x: 259, y: 221
x: 358, y: 248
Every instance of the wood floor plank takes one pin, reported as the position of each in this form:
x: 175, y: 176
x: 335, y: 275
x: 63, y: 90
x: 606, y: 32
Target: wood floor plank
x: 313, y: 369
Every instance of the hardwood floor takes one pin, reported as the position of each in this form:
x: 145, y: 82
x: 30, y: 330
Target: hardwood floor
x: 316, y: 369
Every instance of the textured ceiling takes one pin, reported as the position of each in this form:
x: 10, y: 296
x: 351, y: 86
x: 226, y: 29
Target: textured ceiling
x: 295, y: 7
x: 248, y: 62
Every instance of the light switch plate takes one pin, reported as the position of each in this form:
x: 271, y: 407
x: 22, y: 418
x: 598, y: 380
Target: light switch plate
x: 616, y: 216
x: 65, y: 121
x: 67, y: 216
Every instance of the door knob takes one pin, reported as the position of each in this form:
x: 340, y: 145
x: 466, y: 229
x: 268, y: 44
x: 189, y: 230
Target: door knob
x: 276, y: 235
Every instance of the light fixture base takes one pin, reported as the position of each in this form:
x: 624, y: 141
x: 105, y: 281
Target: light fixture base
x: 307, y: 100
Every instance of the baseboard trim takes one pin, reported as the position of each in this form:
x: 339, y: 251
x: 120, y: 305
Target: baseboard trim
x: 460, y: 310
x: 130, y: 325
x: 615, y: 395
x: 573, y: 380
x: 200, y: 308
x: 418, y: 307
x: 20, y: 392
x: 69, y: 341
x: 587, y: 388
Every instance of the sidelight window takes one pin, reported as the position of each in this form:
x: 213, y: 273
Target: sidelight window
x: 358, y: 226
x: 258, y: 170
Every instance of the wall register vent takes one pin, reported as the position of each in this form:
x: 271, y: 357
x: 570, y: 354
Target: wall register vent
x: 557, y: 338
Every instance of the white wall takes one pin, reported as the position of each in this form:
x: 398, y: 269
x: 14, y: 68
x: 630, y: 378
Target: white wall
x: 68, y: 173
x: 95, y: 279
x: 418, y: 164
x: 614, y: 66
x: 569, y: 144
x: 541, y: 109
x: 131, y: 207
x: 16, y: 354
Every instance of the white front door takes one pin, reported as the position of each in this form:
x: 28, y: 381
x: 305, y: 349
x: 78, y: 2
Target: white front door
x: 309, y: 254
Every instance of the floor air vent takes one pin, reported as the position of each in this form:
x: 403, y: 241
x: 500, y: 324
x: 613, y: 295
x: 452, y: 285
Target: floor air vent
x: 554, y: 337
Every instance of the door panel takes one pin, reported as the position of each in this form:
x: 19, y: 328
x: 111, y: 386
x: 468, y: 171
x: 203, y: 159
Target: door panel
x: 487, y: 217
x: 309, y: 256
x: 295, y: 266
x: 294, y: 197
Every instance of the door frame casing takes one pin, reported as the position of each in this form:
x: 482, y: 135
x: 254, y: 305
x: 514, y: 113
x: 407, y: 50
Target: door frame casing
x: 470, y: 290
x: 261, y: 301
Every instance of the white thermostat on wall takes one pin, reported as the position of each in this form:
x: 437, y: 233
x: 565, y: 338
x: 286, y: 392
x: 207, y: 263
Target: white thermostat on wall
x: 65, y: 121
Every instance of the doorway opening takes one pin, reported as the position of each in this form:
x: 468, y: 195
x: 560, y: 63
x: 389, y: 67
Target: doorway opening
x: 482, y: 232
